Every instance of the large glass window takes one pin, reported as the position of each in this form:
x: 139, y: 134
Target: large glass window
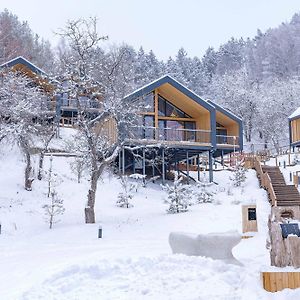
x: 149, y: 131
x: 172, y: 130
x: 166, y: 109
x: 146, y: 103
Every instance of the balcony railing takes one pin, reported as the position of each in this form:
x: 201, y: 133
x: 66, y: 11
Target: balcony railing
x: 180, y: 135
x: 228, y: 140
x: 84, y: 104
x: 170, y: 134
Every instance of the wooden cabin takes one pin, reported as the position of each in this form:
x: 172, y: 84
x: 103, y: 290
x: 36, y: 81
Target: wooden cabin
x: 176, y: 119
x: 60, y: 104
x: 37, y: 77
x: 294, y: 128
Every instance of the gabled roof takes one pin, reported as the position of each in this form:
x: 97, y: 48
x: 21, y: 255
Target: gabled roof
x: 168, y: 79
x: 23, y: 61
x: 226, y: 112
x: 295, y: 114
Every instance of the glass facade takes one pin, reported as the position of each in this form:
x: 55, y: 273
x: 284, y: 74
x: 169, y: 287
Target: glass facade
x: 166, y: 109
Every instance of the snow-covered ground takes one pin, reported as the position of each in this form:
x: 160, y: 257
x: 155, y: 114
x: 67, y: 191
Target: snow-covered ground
x: 133, y: 259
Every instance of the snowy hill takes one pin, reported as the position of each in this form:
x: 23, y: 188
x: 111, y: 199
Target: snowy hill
x: 133, y: 260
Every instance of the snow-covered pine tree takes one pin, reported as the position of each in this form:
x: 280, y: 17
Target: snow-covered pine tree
x: 239, y: 173
x: 55, y: 208
x: 203, y: 194
x: 178, y: 196
x: 125, y: 196
x: 140, y: 180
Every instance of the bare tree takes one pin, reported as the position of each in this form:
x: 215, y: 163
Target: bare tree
x: 54, y: 209
x: 96, y: 143
x: 20, y: 111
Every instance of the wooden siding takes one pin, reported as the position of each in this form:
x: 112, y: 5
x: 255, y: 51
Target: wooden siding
x: 231, y: 125
x: 295, y: 130
x: 108, y: 128
x: 277, y: 281
x: 248, y: 225
x: 190, y: 107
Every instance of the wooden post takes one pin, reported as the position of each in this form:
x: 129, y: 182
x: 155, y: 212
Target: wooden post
x: 163, y: 166
x: 276, y: 161
x: 187, y: 167
x: 289, y: 158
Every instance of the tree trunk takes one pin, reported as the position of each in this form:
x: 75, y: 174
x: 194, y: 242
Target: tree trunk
x: 28, y: 169
x: 90, y: 207
x: 41, y: 162
x: 28, y: 179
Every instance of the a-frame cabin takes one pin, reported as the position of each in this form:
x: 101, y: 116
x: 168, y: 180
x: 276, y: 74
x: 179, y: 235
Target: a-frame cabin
x: 179, y: 121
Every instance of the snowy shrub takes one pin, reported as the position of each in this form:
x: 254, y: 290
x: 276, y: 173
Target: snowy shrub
x: 125, y: 196
x: 77, y: 167
x: 53, y: 209
x: 179, y: 196
x: 239, y: 174
x: 203, y: 195
x: 140, y: 180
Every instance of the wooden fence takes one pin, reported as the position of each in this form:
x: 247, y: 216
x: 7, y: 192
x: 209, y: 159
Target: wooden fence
x: 277, y: 281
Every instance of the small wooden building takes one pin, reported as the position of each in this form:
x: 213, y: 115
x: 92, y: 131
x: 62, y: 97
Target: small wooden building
x: 294, y: 128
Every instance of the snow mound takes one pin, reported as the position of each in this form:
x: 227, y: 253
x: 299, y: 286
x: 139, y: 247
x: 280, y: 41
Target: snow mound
x: 162, y: 277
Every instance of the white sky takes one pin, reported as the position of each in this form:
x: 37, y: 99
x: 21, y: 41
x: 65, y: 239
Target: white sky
x: 163, y: 26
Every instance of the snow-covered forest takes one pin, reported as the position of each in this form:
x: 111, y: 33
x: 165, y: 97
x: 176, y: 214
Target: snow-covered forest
x: 256, y: 78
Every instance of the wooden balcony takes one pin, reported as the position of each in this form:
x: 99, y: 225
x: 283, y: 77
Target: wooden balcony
x: 169, y: 136
x: 230, y: 141
x: 179, y: 136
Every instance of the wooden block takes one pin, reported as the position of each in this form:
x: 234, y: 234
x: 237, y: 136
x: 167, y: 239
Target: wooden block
x: 277, y: 281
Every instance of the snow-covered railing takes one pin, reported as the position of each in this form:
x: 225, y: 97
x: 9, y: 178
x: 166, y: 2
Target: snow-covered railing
x: 228, y: 140
x: 170, y: 134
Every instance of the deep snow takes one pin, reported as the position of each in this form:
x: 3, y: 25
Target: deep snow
x: 133, y: 260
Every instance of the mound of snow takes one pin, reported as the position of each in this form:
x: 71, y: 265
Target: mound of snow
x: 164, y: 277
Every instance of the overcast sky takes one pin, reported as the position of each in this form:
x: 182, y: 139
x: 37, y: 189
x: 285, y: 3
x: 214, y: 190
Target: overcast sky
x: 161, y: 25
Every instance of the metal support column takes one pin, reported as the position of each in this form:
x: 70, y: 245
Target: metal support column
x: 133, y: 163
x: 120, y: 162
x: 123, y: 161
x: 144, y: 163
x: 198, y: 166
x: 163, y: 166
x: 222, y: 158
x: 187, y: 167
x: 211, y: 171
x: 153, y: 168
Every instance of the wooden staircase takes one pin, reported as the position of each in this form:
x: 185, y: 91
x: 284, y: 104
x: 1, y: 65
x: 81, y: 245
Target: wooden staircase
x: 281, y: 193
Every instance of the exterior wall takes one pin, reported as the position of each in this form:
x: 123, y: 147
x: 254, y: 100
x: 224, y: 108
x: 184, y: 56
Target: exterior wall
x: 108, y: 129
x: 295, y: 130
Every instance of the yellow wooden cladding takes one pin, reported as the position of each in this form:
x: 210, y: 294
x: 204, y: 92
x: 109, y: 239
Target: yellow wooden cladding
x: 295, y: 130
x: 108, y: 129
x: 277, y: 281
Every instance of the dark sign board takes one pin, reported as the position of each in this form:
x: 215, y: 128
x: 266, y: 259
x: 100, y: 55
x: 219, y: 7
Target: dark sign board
x: 251, y: 214
x: 290, y: 228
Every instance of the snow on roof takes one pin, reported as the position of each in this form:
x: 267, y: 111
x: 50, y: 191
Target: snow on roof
x: 295, y: 114
x: 26, y: 61
x: 160, y: 78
